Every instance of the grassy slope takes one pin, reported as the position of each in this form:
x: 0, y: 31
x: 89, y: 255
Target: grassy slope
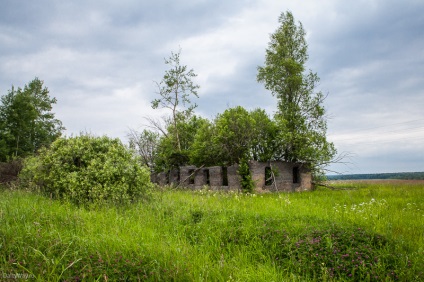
x: 208, y: 236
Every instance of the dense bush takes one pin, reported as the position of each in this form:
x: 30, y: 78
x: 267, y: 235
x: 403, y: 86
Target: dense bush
x: 87, y: 169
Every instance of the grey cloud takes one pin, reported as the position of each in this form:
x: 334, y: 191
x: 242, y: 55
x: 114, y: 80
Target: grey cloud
x: 362, y: 34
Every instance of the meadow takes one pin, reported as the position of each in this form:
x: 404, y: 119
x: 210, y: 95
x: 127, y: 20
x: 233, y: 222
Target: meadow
x: 362, y: 231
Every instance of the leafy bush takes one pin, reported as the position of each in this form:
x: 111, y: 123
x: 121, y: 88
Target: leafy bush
x: 87, y: 169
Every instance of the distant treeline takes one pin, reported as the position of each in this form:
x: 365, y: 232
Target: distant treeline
x: 397, y: 175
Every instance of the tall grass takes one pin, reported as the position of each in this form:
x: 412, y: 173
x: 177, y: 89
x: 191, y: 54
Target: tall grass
x: 369, y: 232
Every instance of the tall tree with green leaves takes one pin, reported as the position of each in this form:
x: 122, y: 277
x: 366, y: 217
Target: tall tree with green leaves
x: 301, y: 120
x: 176, y: 90
x: 27, y: 122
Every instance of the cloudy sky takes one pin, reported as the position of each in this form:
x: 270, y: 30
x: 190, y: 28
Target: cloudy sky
x: 100, y: 60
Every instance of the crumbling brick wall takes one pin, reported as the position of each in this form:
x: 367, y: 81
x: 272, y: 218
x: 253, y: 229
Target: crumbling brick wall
x: 281, y: 176
x: 288, y: 177
x: 185, y: 179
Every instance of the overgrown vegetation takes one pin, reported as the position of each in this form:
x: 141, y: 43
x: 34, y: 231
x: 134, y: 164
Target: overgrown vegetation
x: 296, y: 133
x: 246, y: 182
x: 373, y: 232
x: 87, y: 169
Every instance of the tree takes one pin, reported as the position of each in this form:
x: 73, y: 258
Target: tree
x: 234, y: 133
x: 26, y: 120
x: 175, y: 91
x: 301, y: 120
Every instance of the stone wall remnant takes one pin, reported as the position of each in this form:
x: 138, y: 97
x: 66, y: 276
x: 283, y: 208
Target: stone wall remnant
x: 273, y: 176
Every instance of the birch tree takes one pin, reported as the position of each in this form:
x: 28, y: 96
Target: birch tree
x: 176, y: 90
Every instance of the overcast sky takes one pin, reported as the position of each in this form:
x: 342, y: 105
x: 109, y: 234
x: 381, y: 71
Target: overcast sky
x: 100, y: 58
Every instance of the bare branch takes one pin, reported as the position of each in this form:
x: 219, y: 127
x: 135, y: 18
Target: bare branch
x: 145, y: 144
x: 155, y: 124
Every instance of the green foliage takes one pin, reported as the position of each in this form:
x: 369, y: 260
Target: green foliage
x: 32, y: 168
x: 205, y: 150
x: 26, y: 121
x: 188, y: 129
x: 246, y: 181
x: 88, y: 169
x: 264, y: 144
x: 234, y: 134
x: 234, y: 129
x: 168, y: 155
x: 301, y: 116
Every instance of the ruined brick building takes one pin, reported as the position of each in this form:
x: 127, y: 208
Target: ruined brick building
x: 268, y: 176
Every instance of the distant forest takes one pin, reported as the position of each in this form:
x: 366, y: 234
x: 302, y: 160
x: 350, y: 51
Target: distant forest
x: 397, y: 175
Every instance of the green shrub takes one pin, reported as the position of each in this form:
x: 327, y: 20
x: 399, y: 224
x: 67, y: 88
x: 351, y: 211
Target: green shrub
x: 246, y: 181
x: 87, y: 169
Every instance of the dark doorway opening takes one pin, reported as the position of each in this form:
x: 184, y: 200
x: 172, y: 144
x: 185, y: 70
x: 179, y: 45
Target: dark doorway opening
x: 224, y: 176
x: 296, y: 175
x: 168, y: 175
x: 191, y: 176
x: 206, y: 177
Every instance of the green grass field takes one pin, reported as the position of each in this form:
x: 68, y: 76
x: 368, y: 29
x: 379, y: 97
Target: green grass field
x: 368, y: 231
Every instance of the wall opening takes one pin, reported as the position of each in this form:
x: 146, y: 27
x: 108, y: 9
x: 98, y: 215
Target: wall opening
x: 191, y: 176
x: 167, y: 175
x: 206, y: 177
x: 269, y: 179
x: 296, y: 175
x: 224, y: 176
